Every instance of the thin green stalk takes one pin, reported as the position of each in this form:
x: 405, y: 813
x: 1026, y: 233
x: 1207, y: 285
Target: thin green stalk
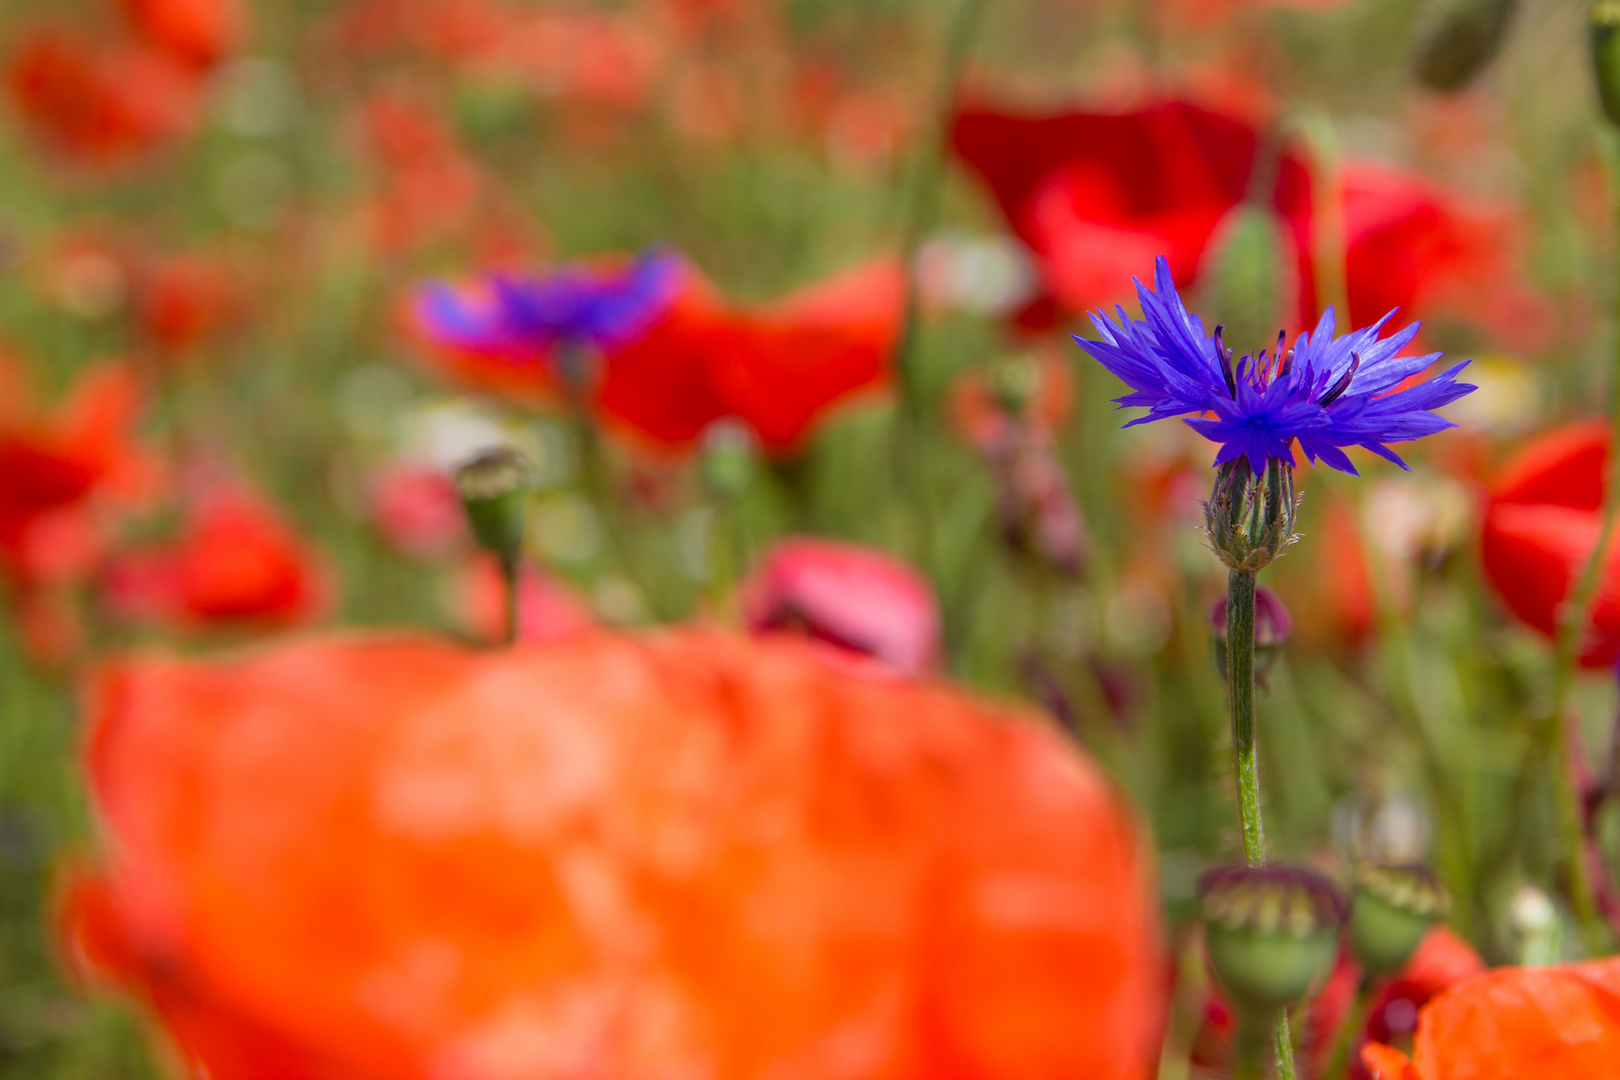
x: 921, y: 216
x: 1339, y: 1064
x: 1240, y: 694
x: 510, y: 586
x: 1245, y: 758
x: 1554, y: 733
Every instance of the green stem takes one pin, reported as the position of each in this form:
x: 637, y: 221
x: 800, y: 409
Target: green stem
x: 921, y: 216
x: 1570, y: 629
x: 509, y: 584
x: 1240, y: 695
x: 1339, y: 1064
x: 1282, y: 1039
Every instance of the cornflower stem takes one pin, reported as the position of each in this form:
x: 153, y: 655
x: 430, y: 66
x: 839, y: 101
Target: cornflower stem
x: 1246, y: 763
x: 1240, y: 694
x: 509, y: 584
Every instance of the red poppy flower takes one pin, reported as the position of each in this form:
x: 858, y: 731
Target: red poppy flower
x: 548, y: 609
x: 1097, y: 195
x: 200, y: 33
x: 59, y: 472
x: 182, y: 302
x: 1542, y: 519
x: 236, y: 563
x: 684, y: 854
x: 1515, y: 1022
x: 100, y: 104
x: 1415, y: 245
x: 780, y: 368
x: 855, y: 598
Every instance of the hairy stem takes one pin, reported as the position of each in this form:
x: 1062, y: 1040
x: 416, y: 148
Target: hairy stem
x: 509, y: 584
x: 1240, y: 694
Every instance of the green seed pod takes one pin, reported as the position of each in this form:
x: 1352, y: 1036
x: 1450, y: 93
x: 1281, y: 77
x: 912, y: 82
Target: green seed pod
x: 1604, y: 31
x: 1249, y: 518
x: 494, y: 488
x: 730, y: 460
x: 1272, y: 932
x: 1462, y: 40
x: 1247, y: 276
x: 1392, y: 907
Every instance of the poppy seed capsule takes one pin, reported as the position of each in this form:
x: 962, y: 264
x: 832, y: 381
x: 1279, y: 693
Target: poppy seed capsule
x: 1463, y: 39
x: 494, y: 487
x: 1249, y: 518
x: 1272, y: 626
x: 1392, y: 907
x: 1271, y: 931
x: 1604, y: 34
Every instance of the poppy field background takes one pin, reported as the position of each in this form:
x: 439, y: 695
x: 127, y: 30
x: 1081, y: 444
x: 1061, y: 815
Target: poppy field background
x: 229, y: 415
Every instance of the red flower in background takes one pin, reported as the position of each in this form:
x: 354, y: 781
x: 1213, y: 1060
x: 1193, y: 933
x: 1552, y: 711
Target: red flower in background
x: 99, y: 103
x: 61, y: 472
x: 1097, y: 195
x: 1515, y: 1022
x: 681, y: 854
x: 1414, y: 245
x: 183, y: 303
x: 235, y: 564
x: 1542, y: 518
x: 199, y: 32
x: 779, y: 368
x: 855, y: 598
x: 417, y: 510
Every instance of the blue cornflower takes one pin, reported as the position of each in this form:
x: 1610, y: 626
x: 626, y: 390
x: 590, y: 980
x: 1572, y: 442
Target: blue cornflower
x: 1326, y: 392
x: 526, y: 317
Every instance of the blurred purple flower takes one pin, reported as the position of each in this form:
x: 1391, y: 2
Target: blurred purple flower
x: 525, y: 317
x: 1326, y: 392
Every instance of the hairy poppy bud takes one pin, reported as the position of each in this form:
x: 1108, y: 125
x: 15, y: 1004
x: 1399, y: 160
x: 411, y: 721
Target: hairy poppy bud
x: 1271, y: 931
x: 730, y: 458
x: 1392, y: 907
x: 1272, y: 626
x: 1604, y: 29
x: 494, y: 487
x: 1249, y: 518
x: 1247, y: 275
x: 1461, y: 41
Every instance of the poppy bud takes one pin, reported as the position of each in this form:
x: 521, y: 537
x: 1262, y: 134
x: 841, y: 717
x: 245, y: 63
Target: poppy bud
x: 494, y: 488
x: 1604, y: 29
x: 1272, y: 931
x: 1249, y: 518
x: 1245, y: 271
x: 1461, y: 41
x: 1392, y: 907
x: 1272, y: 626
x: 730, y: 456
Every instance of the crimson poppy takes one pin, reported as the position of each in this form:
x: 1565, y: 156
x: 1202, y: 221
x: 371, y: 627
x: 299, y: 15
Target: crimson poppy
x: 235, y: 563
x: 1514, y: 1023
x: 632, y: 856
x: 183, y: 302
x: 200, y: 33
x: 1096, y: 196
x: 61, y: 471
x: 852, y: 597
x: 100, y: 103
x: 1542, y: 518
